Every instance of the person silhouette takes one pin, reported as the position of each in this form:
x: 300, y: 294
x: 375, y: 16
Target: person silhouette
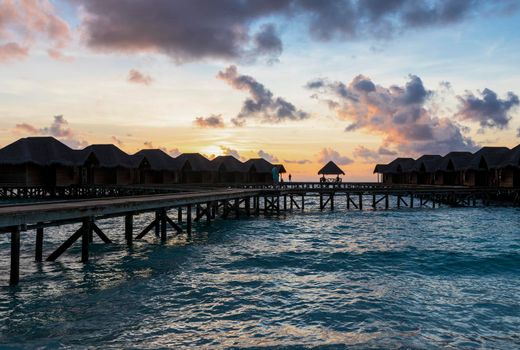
x: 290, y: 177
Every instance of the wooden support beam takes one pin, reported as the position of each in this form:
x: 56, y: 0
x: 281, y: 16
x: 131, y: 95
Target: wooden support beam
x: 360, y: 201
x: 163, y: 225
x: 411, y: 200
x: 85, y: 239
x: 278, y: 205
x: 188, y: 219
x: 129, y: 229
x: 14, y: 273
x: 291, y: 201
x: 179, y: 215
x: 374, y: 203
x: 387, y: 200
x: 237, y: 208
x: 157, y: 227
x: 332, y: 201
x: 303, y: 202
x: 284, y: 202
x: 100, y: 233
x: 257, y: 205
x: 247, y: 204
x: 398, y: 201
x: 174, y: 225
x: 321, y: 201
x: 62, y: 248
x: 348, y: 200
x: 147, y: 229
x: 38, y: 256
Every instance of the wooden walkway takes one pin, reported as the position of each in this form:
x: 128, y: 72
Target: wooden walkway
x: 208, y: 204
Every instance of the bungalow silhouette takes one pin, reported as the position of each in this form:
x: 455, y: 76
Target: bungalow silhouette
x: 488, y: 167
x: 47, y: 162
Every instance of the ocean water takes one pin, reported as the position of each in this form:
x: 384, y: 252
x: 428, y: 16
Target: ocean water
x: 409, y: 278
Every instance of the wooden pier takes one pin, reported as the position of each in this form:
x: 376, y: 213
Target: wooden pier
x: 179, y: 210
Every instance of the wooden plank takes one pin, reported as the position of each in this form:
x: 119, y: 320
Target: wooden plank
x: 174, y: 225
x: 129, y: 229
x: 147, y: 229
x: 85, y: 239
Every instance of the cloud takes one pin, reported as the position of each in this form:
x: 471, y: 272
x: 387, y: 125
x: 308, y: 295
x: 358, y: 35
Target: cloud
x: 261, y: 105
x: 518, y: 132
x: 12, y: 52
x: 136, y: 77
x: 213, y: 121
x: 271, y: 158
x: 399, y: 114
x: 489, y: 110
x: 148, y: 145
x: 328, y: 154
x: 117, y: 141
x: 298, y: 161
x: 183, y: 30
x: 226, y: 151
x: 25, y: 23
x: 174, y: 152
x: 59, y: 129
x: 372, y: 156
x: 237, y: 29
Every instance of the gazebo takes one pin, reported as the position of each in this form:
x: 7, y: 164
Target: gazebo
x: 331, y: 169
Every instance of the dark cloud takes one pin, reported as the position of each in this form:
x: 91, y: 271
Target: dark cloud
x: 59, y: 129
x: 386, y: 152
x: 227, y: 151
x: 267, y: 156
x: 327, y: 154
x: 184, y: 30
x: 488, y: 110
x: 298, y: 161
x: 262, y: 105
x: 398, y: 113
x: 518, y: 132
x: 200, y: 29
x: 213, y: 121
x: 136, y: 77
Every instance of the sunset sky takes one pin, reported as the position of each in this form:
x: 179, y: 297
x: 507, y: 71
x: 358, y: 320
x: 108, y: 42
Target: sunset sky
x: 295, y: 81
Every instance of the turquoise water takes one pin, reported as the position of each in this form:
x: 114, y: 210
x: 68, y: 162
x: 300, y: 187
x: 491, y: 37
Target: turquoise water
x: 421, y: 278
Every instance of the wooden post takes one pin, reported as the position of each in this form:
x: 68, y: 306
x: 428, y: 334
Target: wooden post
x: 179, y: 215
x: 208, y: 212
x: 348, y: 201
x: 291, y: 203
x: 157, y: 227
x: 265, y: 205
x: 398, y: 201
x: 14, y: 276
x: 387, y: 201
x: 257, y: 205
x: 277, y: 205
x: 374, y: 200
x: 360, y: 201
x: 197, y: 210
x: 284, y: 202
x: 411, y: 200
x: 433, y: 201
x: 188, y: 219
x: 248, y: 206
x: 39, y: 244
x: 237, y: 208
x: 129, y: 229
x: 85, y: 239
x: 163, y: 225
x: 303, y: 202
x: 321, y: 201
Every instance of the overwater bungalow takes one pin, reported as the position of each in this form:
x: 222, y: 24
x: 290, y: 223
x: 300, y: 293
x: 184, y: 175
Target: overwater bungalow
x: 451, y: 169
x: 157, y: 167
x: 228, y: 169
x: 509, y: 169
x: 398, y: 171
x: 259, y: 170
x: 113, y: 167
x: 423, y: 172
x: 483, y: 170
x: 40, y: 161
x: 281, y: 170
x: 194, y: 168
x: 331, y: 169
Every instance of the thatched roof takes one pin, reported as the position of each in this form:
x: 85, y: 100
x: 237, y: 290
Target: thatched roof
x: 158, y: 159
x: 380, y: 168
x: 491, y: 157
x: 110, y: 156
x: 42, y: 151
x: 331, y: 169
x: 258, y: 165
x: 400, y: 165
x: 281, y: 168
x: 427, y: 163
x: 459, y: 161
x: 193, y: 162
x: 228, y: 164
x: 512, y: 158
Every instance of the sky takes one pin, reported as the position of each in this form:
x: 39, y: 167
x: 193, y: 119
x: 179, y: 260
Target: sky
x: 299, y: 82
